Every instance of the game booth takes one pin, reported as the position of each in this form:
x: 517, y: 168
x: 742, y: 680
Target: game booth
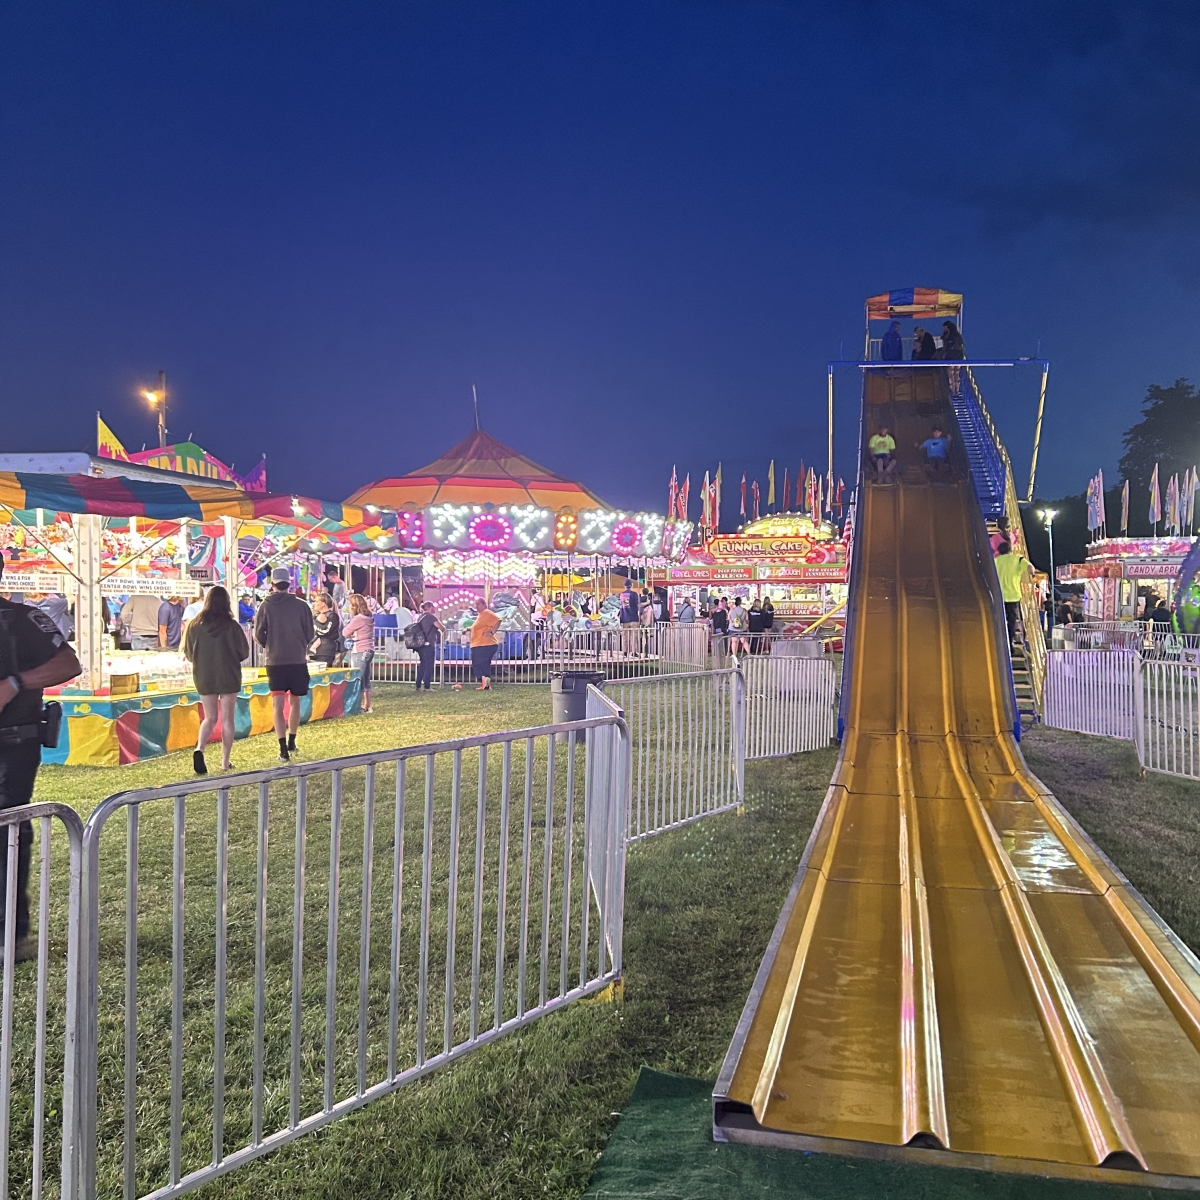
x: 800, y: 563
x: 113, y: 531
x: 1116, y: 569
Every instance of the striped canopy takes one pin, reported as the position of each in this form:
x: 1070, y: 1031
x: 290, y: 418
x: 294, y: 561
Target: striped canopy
x: 479, y: 470
x: 913, y: 302
x: 124, y: 497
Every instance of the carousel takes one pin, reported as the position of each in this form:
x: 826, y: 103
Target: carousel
x: 490, y: 523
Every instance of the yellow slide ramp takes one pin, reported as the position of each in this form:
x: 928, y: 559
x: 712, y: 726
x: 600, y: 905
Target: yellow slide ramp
x: 959, y: 975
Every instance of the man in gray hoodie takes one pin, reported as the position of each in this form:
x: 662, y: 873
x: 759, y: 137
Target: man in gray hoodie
x: 284, y: 628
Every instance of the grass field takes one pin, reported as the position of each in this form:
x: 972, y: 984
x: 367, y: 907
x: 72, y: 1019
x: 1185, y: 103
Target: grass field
x: 529, y: 1116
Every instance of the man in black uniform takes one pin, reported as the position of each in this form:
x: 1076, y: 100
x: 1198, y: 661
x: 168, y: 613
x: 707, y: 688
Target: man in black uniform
x: 33, y: 655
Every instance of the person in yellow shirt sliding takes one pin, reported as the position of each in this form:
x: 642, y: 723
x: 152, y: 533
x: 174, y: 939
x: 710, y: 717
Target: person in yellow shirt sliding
x: 883, y: 449
x: 484, y: 644
x: 1011, y: 569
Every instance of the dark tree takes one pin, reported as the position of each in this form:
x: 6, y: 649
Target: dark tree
x: 1167, y: 434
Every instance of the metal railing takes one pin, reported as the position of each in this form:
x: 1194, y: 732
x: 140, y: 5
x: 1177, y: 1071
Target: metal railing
x: 687, y: 740
x: 325, y: 933
x: 321, y: 934
x: 1149, y: 640
x: 533, y: 655
x: 1117, y: 692
x: 1035, y: 641
x: 791, y: 705
x: 32, y: 1034
x: 1092, y: 691
x: 1168, y: 727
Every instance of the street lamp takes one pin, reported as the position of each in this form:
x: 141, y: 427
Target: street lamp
x: 158, y: 401
x: 1048, y: 515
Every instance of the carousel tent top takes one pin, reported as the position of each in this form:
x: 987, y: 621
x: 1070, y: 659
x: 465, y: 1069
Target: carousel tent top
x: 914, y: 302
x: 479, y: 470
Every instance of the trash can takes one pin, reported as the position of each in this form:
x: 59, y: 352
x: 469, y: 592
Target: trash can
x: 568, y: 694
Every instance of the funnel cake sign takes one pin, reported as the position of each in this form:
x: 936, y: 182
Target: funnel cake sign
x: 797, y: 549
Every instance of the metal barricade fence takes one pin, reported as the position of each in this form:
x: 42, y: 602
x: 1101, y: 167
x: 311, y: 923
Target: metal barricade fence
x: 1168, y: 726
x: 687, y: 737
x: 533, y: 655
x: 774, y: 643
x: 791, y: 704
x: 1147, y: 639
x: 40, y: 1053
x: 1092, y: 691
x: 325, y: 933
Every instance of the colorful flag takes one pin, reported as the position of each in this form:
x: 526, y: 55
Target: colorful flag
x: 705, y: 501
x: 743, y: 510
x: 819, y: 507
x: 683, y: 496
x: 672, y: 494
x: 108, y: 445
x: 1155, y: 498
x: 1125, y: 509
x: 1102, y: 517
x: 785, y: 507
x: 1191, y: 499
x: 716, y: 507
x: 1093, y: 504
x: 841, y: 495
x: 754, y: 497
x: 1172, y: 514
x: 771, y: 486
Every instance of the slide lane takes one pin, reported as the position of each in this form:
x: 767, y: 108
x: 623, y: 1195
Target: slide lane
x: 958, y: 969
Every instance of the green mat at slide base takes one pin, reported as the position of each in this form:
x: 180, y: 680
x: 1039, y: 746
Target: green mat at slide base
x: 662, y: 1149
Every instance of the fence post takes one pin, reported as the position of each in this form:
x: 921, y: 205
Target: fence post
x: 739, y: 731
x: 88, y: 1020
x: 1139, y: 710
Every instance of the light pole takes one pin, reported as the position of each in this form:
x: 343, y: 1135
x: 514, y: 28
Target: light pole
x: 1048, y: 515
x: 158, y: 401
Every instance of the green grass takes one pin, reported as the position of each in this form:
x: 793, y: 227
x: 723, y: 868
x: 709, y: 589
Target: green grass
x: 528, y: 1116
x: 1148, y: 825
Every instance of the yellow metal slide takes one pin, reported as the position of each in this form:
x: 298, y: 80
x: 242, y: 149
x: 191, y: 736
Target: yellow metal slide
x: 959, y: 974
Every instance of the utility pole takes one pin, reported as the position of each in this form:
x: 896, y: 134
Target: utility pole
x: 162, y: 409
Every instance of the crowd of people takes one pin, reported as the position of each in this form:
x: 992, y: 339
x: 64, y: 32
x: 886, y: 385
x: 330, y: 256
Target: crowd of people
x: 334, y: 627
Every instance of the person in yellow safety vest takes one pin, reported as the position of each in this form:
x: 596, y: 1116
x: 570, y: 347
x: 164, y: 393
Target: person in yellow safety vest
x: 1011, y: 569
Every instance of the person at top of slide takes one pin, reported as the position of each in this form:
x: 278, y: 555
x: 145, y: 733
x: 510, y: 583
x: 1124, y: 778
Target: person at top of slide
x: 891, y: 345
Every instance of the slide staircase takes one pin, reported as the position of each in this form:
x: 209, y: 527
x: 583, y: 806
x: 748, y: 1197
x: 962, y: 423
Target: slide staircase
x: 959, y: 975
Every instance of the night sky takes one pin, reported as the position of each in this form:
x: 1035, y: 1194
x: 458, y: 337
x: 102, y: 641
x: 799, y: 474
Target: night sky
x: 642, y: 229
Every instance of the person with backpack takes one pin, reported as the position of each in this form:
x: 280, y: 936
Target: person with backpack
x: 422, y: 636
x: 284, y: 629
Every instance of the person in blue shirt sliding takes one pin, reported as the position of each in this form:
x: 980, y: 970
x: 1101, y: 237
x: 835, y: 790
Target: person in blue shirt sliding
x: 937, y: 454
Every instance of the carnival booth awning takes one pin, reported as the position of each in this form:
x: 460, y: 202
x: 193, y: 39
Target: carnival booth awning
x: 914, y: 302
x: 479, y: 470
x: 124, y: 497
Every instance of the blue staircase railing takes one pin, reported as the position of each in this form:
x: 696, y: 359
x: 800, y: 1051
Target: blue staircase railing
x: 988, y: 470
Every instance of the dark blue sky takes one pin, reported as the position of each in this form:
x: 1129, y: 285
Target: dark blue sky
x: 641, y: 228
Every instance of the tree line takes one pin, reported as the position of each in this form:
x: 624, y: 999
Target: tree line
x: 1167, y: 434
